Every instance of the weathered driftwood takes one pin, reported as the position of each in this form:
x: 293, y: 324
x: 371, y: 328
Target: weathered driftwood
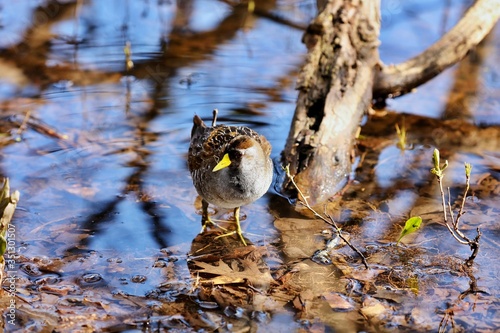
x: 396, y: 80
x: 335, y: 90
x: 342, y: 75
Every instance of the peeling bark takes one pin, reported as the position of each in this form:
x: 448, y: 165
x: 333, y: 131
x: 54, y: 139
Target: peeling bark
x: 335, y: 90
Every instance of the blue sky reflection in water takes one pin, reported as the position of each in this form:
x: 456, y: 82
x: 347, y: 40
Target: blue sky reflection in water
x: 86, y: 174
x: 118, y: 188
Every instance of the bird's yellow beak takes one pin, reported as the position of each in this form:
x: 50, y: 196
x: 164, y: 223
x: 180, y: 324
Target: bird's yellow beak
x: 224, y: 163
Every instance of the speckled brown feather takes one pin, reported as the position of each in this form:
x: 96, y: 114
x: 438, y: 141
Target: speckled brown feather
x: 210, y: 143
x: 245, y: 178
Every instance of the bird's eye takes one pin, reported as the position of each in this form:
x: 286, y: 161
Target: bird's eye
x: 235, y: 155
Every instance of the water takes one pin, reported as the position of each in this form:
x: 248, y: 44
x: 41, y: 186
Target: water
x: 107, y: 213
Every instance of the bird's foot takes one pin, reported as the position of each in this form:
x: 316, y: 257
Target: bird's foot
x: 232, y: 233
x: 208, y: 221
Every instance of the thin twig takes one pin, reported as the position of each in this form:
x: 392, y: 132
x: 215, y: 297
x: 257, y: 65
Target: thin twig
x: 304, y: 201
x: 450, y: 208
x: 453, y: 226
x: 452, y: 230
x: 330, y: 222
x: 339, y: 232
x: 454, y: 221
x: 467, y: 186
x: 443, y: 200
x: 474, y: 246
x: 22, y: 127
x: 455, y: 236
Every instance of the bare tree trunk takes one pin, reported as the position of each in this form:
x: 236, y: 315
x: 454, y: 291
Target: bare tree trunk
x: 335, y: 90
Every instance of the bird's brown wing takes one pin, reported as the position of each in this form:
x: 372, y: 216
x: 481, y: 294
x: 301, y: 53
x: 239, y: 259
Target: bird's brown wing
x: 199, y: 135
x: 209, y: 143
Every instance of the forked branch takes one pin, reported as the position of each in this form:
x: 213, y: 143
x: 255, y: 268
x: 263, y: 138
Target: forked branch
x: 453, y: 225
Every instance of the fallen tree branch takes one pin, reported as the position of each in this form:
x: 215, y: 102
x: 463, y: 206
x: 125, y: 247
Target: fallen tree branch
x: 396, y: 80
x: 335, y: 91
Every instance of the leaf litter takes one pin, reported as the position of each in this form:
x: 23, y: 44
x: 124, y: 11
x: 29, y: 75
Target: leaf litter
x: 217, y: 284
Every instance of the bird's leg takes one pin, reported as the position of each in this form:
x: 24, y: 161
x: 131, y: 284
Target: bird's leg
x: 205, y: 218
x: 238, y: 227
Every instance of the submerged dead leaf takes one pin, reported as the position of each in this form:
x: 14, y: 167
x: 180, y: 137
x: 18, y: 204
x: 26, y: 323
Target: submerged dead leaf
x: 225, y: 274
x: 229, y: 275
x: 373, y: 307
x: 362, y: 274
x: 339, y: 302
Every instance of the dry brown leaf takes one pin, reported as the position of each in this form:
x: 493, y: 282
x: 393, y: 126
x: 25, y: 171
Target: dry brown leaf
x: 372, y: 307
x: 339, y: 302
x: 228, y: 275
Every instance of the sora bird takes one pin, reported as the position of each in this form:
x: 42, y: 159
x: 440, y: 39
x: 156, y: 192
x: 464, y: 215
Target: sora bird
x: 230, y: 166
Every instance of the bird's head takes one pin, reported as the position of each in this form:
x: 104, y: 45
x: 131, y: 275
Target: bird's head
x: 240, y: 152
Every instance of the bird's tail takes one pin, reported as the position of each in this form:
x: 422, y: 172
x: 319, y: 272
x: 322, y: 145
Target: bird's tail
x: 197, y: 124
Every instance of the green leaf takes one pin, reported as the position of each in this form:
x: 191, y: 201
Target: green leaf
x: 438, y: 169
x: 412, y: 225
x: 436, y: 159
x: 468, y: 169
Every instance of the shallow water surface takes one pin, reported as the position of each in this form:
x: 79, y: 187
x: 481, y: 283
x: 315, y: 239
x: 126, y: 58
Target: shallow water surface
x: 107, y: 225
